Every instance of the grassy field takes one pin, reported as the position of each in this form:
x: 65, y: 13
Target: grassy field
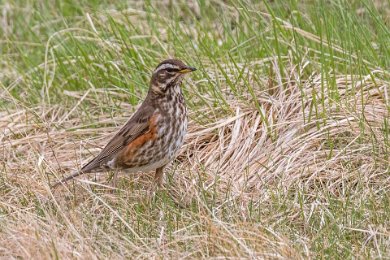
x: 288, y: 151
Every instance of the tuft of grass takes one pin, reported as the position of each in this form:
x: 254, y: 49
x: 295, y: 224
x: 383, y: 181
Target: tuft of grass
x: 287, y: 154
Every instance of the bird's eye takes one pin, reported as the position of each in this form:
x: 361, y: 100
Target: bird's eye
x: 172, y: 70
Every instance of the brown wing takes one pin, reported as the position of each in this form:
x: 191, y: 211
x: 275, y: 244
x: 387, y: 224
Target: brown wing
x: 135, y: 127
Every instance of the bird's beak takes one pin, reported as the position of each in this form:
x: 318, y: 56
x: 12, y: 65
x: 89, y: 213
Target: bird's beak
x: 187, y: 70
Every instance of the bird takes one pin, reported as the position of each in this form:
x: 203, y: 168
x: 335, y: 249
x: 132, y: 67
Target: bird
x: 153, y: 135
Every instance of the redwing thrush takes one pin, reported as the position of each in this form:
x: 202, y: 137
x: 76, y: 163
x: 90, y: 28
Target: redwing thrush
x: 154, y: 134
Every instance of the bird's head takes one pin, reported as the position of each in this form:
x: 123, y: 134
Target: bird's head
x: 169, y: 73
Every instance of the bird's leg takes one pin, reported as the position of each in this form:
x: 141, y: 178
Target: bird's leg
x: 114, y: 179
x: 158, y: 176
x: 158, y: 180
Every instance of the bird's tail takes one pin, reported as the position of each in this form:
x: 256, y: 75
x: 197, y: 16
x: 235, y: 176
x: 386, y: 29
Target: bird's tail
x: 89, y: 167
x: 64, y: 180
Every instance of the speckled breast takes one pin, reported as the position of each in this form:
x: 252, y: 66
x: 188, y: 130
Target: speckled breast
x: 171, y: 128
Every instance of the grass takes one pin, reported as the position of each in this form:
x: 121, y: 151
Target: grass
x: 288, y: 150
